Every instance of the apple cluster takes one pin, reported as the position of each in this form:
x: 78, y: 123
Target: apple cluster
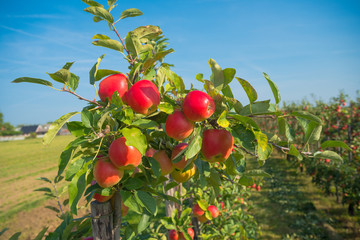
x: 143, y: 97
x: 174, y: 235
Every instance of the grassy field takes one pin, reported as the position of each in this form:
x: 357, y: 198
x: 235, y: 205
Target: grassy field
x: 289, y: 206
x: 21, y: 163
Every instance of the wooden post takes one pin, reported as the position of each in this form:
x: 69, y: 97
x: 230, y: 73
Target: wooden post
x: 102, y: 220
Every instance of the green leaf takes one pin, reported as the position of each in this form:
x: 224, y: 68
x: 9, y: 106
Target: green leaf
x: 41, y: 234
x: 131, y: 12
x: 203, y: 204
x: 92, y: 3
x: 158, y: 56
x: 217, y: 77
x: 76, y: 128
x: 294, y: 152
x: 175, y: 80
x: 44, y: 179
x: 134, y: 137
x: 74, y: 168
x: 148, y: 201
x: 111, y: 2
x: 94, y: 69
x: 32, y: 80
x: 258, y: 108
x: 265, y: 154
x: 100, y: 36
x: 77, y: 188
x: 61, y: 76
x: 307, y: 115
x: 130, y: 201
x: 229, y: 74
x: 184, y: 214
x: 74, y: 81
x: 100, y: 12
x: 200, y: 77
x: 53, y: 209
x: 333, y: 143
x: 289, y: 132
x: 262, y: 140
x: 97, y: 19
x: 144, y: 221
x: 68, y: 65
x: 247, y: 121
x: 133, y: 184
x: 249, y: 90
x: 15, y: 236
x: 109, y: 43
x: 148, y: 32
x: 281, y: 124
x: 274, y: 88
x: 155, y: 166
x: 166, y: 107
x: 257, y: 173
x: 86, y: 118
x: 222, y: 121
x: 145, y: 123
x: 170, y: 185
x: 329, y: 155
x: 195, y: 144
x: 56, y: 126
x: 43, y: 189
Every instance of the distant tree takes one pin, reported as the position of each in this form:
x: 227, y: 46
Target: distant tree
x: 6, y: 128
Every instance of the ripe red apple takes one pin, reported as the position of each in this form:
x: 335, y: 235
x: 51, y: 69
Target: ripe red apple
x: 197, y: 210
x: 107, y: 87
x: 258, y: 188
x: 198, y: 106
x: 214, y: 211
x: 182, y: 163
x: 190, y: 232
x: 123, y: 156
x: 177, y: 126
x: 222, y: 205
x: 173, y: 235
x: 106, y: 174
x: 143, y: 97
x: 100, y: 198
x: 217, y: 145
x: 165, y: 162
x: 254, y: 185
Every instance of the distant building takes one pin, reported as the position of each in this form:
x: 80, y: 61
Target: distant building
x: 42, y: 129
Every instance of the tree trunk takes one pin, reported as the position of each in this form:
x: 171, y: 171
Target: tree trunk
x: 102, y: 220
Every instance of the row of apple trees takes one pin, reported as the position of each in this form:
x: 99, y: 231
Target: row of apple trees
x: 340, y: 133
x: 149, y: 135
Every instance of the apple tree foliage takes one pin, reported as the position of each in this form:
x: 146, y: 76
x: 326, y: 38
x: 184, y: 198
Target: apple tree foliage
x: 144, y: 49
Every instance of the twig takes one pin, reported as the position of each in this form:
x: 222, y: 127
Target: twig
x: 288, y: 149
x: 80, y: 97
x: 262, y: 116
x: 132, y: 61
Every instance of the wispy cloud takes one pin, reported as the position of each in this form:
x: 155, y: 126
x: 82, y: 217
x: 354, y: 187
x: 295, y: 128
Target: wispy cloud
x: 43, y: 38
x: 39, y: 16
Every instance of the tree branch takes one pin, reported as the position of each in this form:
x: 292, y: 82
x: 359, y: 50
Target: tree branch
x: 80, y: 97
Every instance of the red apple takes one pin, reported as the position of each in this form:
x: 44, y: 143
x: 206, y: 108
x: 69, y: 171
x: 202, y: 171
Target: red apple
x: 165, y: 162
x: 123, y: 156
x: 198, y: 106
x: 143, y: 97
x: 100, y: 198
x: 182, y: 163
x: 173, y: 235
x: 258, y: 188
x: 214, y: 211
x: 177, y: 126
x: 202, y: 218
x: 190, y: 232
x: 106, y: 174
x: 197, y: 210
x: 217, y: 145
x: 222, y: 205
x: 182, y: 176
x: 116, y: 82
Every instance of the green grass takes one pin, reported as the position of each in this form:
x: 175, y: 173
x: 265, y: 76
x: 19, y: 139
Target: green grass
x: 289, y: 206
x: 21, y: 163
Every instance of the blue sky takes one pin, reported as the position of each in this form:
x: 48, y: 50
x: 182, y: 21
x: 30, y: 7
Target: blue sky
x: 307, y: 47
